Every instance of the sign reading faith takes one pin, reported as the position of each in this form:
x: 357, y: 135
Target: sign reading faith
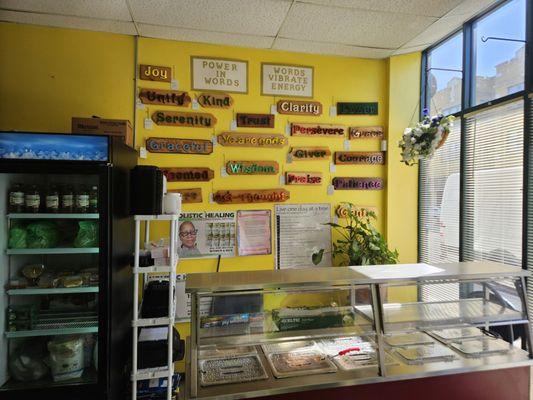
x: 296, y: 107
x: 193, y: 195
x: 349, y: 183
x: 255, y: 120
x: 286, y: 80
x: 177, y: 118
x: 155, y: 73
x: 222, y: 75
x: 309, y: 153
x: 366, y: 132
x: 188, y: 174
x: 318, y: 130
x: 303, y: 178
x: 343, y: 210
x: 357, y: 108
x: 252, y: 140
x: 162, y: 97
x: 251, y: 196
x: 179, y: 146
x: 359, y: 157
x: 215, y: 100
x: 252, y: 167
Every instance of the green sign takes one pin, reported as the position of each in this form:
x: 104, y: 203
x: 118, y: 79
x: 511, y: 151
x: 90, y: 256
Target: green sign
x: 357, y: 108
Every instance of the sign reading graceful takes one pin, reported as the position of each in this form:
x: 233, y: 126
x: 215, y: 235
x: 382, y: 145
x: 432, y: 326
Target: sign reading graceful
x: 318, y: 130
x: 251, y: 140
x: 177, y: 118
x: 286, y: 80
x: 349, y: 183
x: 252, y: 167
x: 359, y: 157
x: 295, y: 107
x: 179, y: 146
x: 251, y: 196
x: 188, y: 174
x: 219, y: 74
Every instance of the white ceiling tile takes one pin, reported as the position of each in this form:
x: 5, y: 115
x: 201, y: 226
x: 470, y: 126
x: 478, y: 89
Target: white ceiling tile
x: 329, y: 48
x: 353, y: 27
x: 437, y: 31
x: 405, y: 50
x: 91, y: 24
x: 256, y: 17
x: 105, y: 9
x: 472, y: 7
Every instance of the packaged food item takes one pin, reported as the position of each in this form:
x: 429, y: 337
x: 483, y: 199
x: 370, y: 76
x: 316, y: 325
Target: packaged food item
x: 17, y: 237
x: 32, y: 272
x: 52, y: 200
x: 42, y: 235
x: 87, y: 234
x: 81, y: 200
x: 93, y: 199
x: 287, y: 319
x: 66, y: 357
x: 27, y: 364
x: 32, y: 199
x: 16, y: 198
x: 71, y: 281
x: 21, y: 317
x: 67, y: 199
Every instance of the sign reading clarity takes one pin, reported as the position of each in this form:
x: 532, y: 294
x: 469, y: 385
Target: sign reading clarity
x: 219, y: 74
x: 286, y: 80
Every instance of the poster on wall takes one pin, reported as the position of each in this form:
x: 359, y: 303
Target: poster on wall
x: 286, y: 80
x: 254, y: 234
x: 300, y: 230
x: 207, y: 234
x: 218, y: 74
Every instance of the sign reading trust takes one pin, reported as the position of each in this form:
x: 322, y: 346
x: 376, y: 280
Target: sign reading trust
x: 286, y: 80
x: 217, y: 74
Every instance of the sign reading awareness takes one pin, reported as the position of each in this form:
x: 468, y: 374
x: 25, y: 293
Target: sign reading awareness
x: 179, y: 146
x: 286, y: 80
x: 252, y: 167
x: 252, y: 140
x: 219, y: 74
x: 318, y: 130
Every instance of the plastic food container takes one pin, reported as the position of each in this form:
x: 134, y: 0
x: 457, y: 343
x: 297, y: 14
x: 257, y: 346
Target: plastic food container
x: 299, y: 345
x: 425, y: 354
x: 486, y: 346
x: 410, y: 339
x: 454, y: 334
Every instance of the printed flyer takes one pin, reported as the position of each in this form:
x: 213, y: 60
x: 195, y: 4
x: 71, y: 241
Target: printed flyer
x: 254, y: 235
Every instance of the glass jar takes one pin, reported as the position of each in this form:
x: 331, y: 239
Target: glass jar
x: 52, y: 200
x: 16, y: 198
x: 82, y: 199
x: 32, y: 199
x: 67, y: 199
x: 93, y: 199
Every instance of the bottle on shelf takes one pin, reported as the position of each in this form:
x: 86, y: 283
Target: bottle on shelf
x: 82, y: 199
x: 93, y: 199
x: 16, y: 198
x: 67, y: 199
x: 32, y: 199
x: 52, y: 199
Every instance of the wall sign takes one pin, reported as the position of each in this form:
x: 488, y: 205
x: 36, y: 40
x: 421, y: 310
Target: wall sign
x: 349, y: 183
x: 164, y: 97
x: 286, y: 80
x: 193, y: 195
x: 359, y: 157
x: 310, y: 153
x: 223, y: 75
x: 188, y: 174
x: 303, y: 178
x: 179, y: 146
x: 252, y: 140
x: 366, y: 132
x: 215, y: 100
x: 252, y: 167
x: 298, y: 107
x: 342, y: 210
x: 178, y: 118
x: 318, y: 130
x: 255, y: 120
x: 251, y: 196
x: 344, y: 108
x: 155, y: 73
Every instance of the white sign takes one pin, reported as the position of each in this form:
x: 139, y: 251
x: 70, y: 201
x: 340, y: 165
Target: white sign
x: 286, y: 80
x: 217, y: 74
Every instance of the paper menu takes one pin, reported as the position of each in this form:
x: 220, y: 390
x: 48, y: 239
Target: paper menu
x: 396, y: 271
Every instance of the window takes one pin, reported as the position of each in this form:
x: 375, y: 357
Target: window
x: 499, y: 52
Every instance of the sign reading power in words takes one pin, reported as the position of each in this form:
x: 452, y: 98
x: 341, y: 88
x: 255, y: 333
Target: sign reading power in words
x: 177, y: 118
x: 357, y: 108
x: 193, y: 195
x: 349, y: 183
x: 179, y: 146
x: 255, y: 120
x: 251, y: 196
x: 188, y: 174
x: 296, y: 107
x: 215, y: 100
x: 251, y: 140
x: 359, y: 157
x: 343, y: 210
x: 286, y: 80
x: 318, y: 130
x: 252, y: 167
x: 164, y: 97
x: 155, y: 73
x: 309, y: 153
x: 219, y: 74
x: 366, y: 132
x: 303, y: 178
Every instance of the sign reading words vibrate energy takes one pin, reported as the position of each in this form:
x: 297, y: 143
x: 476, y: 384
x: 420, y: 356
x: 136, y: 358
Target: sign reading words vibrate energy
x: 359, y: 157
x: 303, y: 178
x: 193, y: 195
x: 318, y: 130
x: 349, y: 183
x: 252, y: 167
x: 155, y: 73
x: 255, y: 120
x: 219, y: 74
x: 188, y: 174
x: 251, y: 140
x: 177, y: 118
x: 366, y: 132
x: 286, y: 80
x: 179, y: 146
x: 309, y: 153
x: 215, y: 100
x: 164, y: 97
x: 295, y: 107
x: 251, y: 196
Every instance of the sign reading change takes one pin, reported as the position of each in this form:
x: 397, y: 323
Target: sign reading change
x: 286, y: 80
x: 219, y: 74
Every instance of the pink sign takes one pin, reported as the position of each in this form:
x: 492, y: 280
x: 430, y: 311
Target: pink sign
x: 254, y: 234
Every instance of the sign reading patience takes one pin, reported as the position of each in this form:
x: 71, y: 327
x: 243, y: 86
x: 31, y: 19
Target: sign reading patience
x: 215, y: 100
x: 295, y: 107
x: 303, y: 178
x: 357, y: 108
x: 310, y: 153
x: 255, y: 120
x: 358, y: 157
x: 318, y: 130
x: 164, y: 97
x: 179, y: 146
x: 219, y: 74
x: 349, y: 183
x: 251, y: 196
x: 188, y: 174
x: 177, y: 118
x: 252, y: 167
x: 366, y: 132
x: 193, y: 195
x: 286, y: 80
x: 155, y: 73
x: 251, y: 140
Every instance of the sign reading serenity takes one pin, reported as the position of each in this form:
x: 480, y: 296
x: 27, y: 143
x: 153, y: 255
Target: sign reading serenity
x: 219, y: 74
x: 286, y: 80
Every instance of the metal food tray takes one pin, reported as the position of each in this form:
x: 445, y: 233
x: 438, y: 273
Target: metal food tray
x: 425, y: 354
x: 298, y: 345
x: 411, y: 339
x: 218, y: 371
x: 486, y: 346
x: 458, y: 334
x: 353, y: 361
x: 298, y: 363
x: 226, y: 352
x: 332, y: 347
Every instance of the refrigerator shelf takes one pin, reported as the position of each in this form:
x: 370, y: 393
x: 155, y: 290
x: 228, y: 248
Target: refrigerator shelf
x: 37, y: 290
x: 151, y: 373
x: 59, y: 323
x: 55, y: 250
x: 53, y: 216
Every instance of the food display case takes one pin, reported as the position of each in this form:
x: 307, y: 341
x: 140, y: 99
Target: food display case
x: 282, y: 331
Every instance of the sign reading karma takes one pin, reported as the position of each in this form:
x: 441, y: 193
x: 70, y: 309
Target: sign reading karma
x: 251, y: 140
x: 366, y: 132
x: 164, y: 97
x: 179, y: 146
x: 252, y: 167
x: 155, y: 73
x: 251, y: 196
x: 357, y: 108
x: 295, y: 107
x: 189, y: 195
x: 215, y: 100
x: 318, y: 130
x: 188, y: 174
x: 223, y: 75
x: 177, y: 118
x: 349, y: 183
x: 286, y: 80
x: 309, y: 153
x: 358, y: 157
x: 255, y: 120
x: 303, y: 178
x: 343, y: 210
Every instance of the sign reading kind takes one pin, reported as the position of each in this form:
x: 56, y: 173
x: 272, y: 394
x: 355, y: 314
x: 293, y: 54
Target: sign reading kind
x: 251, y: 196
x: 215, y: 100
x: 318, y: 130
x: 303, y: 178
x: 179, y: 146
x: 255, y: 120
x: 251, y: 140
x: 164, y: 97
x: 177, y: 118
x: 295, y: 107
x: 188, y: 174
x: 357, y: 157
x: 252, y: 167
x: 366, y: 132
x: 155, y: 73
x: 349, y: 183
x: 310, y: 153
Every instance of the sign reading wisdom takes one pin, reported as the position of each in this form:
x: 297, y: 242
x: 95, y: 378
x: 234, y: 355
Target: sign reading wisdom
x: 177, y: 118
x: 252, y: 167
x: 219, y: 74
x: 286, y: 80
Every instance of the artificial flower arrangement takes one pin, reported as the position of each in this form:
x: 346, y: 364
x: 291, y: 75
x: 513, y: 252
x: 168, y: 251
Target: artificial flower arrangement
x: 422, y: 140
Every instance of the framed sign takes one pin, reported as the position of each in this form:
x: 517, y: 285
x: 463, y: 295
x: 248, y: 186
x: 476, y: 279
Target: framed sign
x: 286, y: 80
x: 329, y: 130
x: 309, y: 153
x: 252, y: 140
x: 299, y: 107
x: 359, y: 157
x: 188, y: 174
x: 342, y: 210
x: 251, y: 196
x: 303, y: 178
x: 178, y: 118
x: 219, y: 74
x: 155, y: 73
x: 252, y: 167
x: 162, y: 97
x: 179, y: 146
x: 365, y: 132
x: 193, y: 195
x: 215, y: 100
x: 255, y: 120
x: 349, y: 183
x: 344, y: 108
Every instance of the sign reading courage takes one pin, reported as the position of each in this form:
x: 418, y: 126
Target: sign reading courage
x: 286, y: 80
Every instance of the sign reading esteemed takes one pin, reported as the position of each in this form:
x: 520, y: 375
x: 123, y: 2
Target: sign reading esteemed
x: 298, y: 107
x: 252, y: 167
x: 222, y: 75
x: 252, y: 140
x: 155, y: 73
x: 366, y: 132
x: 251, y: 196
x: 162, y: 97
x: 310, y: 153
x: 286, y: 80
x: 344, y: 108
x: 193, y: 195
x: 255, y: 120
x: 178, y: 118
x: 349, y: 183
x: 359, y: 157
x: 215, y: 100
x: 179, y: 146
x: 188, y: 174
x: 343, y: 209
x: 303, y: 178
x: 318, y: 130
